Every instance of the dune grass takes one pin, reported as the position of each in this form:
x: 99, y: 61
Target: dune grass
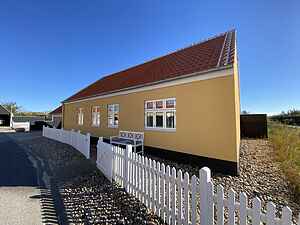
x: 286, y: 143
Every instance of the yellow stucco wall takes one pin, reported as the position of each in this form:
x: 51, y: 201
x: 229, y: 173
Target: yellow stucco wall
x: 207, y: 122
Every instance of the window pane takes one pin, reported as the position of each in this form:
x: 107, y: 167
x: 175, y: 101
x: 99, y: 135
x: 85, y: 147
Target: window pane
x: 159, y: 104
x: 149, y: 119
x: 170, y: 103
x: 116, y: 107
x: 116, y: 119
x: 81, y: 118
x: 93, y: 118
x: 170, y: 120
x: 98, y: 119
x: 149, y: 105
x: 159, y: 119
x: 110, y: 108
x: 110, y: 121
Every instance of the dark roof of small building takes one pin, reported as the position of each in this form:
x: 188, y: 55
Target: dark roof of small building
x: 28, y: 118
x: 58, y: 110
x: 212, y: 54
x: 4, y: 111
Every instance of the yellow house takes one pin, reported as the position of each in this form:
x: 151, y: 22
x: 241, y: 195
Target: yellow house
x: 186, y: 103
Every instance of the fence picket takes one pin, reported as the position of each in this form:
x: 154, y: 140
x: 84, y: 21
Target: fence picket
x: 256, y: 211
x: 131, y: 174
x: 231, y: 207
x: 270, y: 213
x: 286, y: 216
x: 163, y: 191
x: 137, y: 176
x: 179, y: 196
x: 134, y: 174
x: 173, y: 196
x: 153, y: 185
x: 186, y: 197
x: 150, y: 185
x: 158, y: 186
x: 204, y: 176
x: 168, y: 196
x: 220, y: 205
x: 243, y: 208
x: 210, y: 205
x: 148, y: 182
x: 140, y: 177
x: 194, y: 200
x: 143, y: 181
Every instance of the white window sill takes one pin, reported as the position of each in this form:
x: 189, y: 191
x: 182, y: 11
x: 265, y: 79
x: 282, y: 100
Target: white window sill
x: 160, y: 129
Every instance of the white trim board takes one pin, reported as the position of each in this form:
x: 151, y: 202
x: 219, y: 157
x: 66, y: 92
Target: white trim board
x: 227, y: 71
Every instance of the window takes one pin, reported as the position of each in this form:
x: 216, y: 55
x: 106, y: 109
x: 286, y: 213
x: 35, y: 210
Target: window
x: 80, y: 116
x: 170, y: 119
x: 150, y: 119
x: 159, y: 117
x: 113, y: 115
x: 160, y: 114
x: 95, y: 116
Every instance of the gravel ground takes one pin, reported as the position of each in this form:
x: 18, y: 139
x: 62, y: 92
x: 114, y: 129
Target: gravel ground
x: 259, y: 176
x: 87, y: 196
x: 90, y: 199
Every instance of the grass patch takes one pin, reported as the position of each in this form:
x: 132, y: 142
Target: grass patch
x: 286, y: 143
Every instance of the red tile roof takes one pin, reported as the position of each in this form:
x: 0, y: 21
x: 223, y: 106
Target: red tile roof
x: 58, y: 110
x: 214, y: 53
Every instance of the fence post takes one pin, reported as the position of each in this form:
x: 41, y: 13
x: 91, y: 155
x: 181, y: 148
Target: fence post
x: 88, y: 150
x: 43, y: 131
x: 72, y: 137
x: 205, y: 177
x: 125, y: 169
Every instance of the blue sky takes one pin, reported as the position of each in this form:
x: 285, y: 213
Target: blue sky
x: 51, y: 49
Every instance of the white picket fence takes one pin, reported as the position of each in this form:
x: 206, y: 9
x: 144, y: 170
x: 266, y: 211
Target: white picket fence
x: 79, y: 141
x: 177, y: 197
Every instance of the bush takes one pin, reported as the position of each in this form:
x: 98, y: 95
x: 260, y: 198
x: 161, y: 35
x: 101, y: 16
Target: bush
x: 286, y: 143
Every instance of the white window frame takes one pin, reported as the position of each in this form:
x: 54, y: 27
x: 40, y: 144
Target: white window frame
x: 96, y: 116
x: 80, y: 116
x: 163, y: 110
x: 113, y: 115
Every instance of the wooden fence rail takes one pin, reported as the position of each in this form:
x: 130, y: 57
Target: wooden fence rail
x: 180, y: 199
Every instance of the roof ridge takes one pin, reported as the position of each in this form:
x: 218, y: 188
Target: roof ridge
x: 221, y: 53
